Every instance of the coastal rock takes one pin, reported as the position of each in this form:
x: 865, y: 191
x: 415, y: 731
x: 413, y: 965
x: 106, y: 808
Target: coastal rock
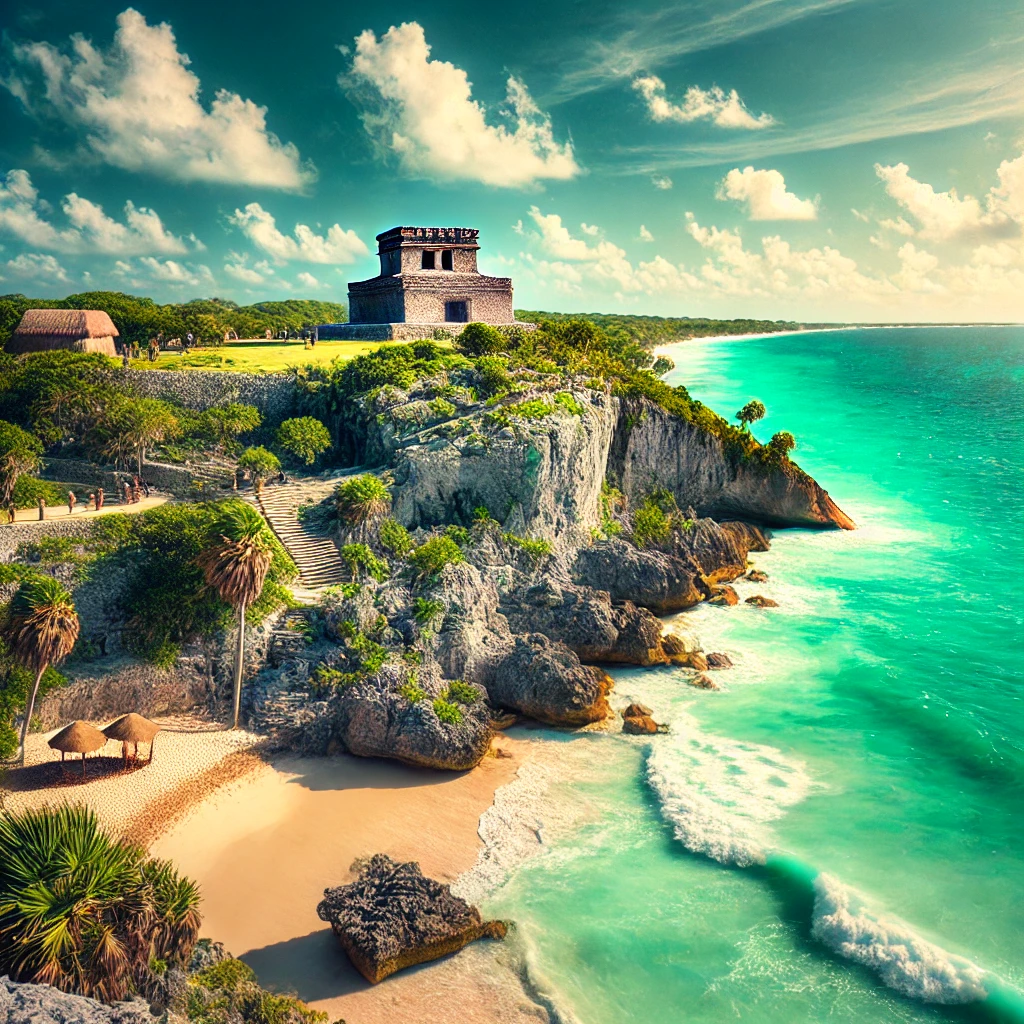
x: 653, y: 448
x: 724, y: 596
x: 698, y: 661
x: 636, y: 710
x: 639, y: 725
x: 719, y: 660
x: 760, y: 601
x: 704, y: 682
x: 756, y: 576
x: 544, y: 679
x: 41, y: 1004
x: 393, y: 917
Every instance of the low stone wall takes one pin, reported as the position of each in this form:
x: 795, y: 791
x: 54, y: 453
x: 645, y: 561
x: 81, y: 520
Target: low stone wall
x: 273, y: 394
x: 80, y: 471
x: 105, y: 691
x: 13, y: 534
x: 402, y: 331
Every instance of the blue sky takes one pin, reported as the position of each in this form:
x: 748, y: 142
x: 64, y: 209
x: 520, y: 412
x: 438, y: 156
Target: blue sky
x: 811, y: 159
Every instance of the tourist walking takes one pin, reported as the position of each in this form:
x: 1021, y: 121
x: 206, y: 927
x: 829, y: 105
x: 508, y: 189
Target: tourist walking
x: 127, y: 493
x: 99, y: 498
x: 125, y: 361
x: 189, y: 339
x: 145, y: 487
x: 71, y: 502
x: 154, y: 349
x: 11, y: 511
x: 42, y: 509
x: 136, y: 496
x: 91, y: 501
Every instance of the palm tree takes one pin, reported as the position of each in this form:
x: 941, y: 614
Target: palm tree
x: 236, y: 566
x: 84, y: 912
x: 40, y: 630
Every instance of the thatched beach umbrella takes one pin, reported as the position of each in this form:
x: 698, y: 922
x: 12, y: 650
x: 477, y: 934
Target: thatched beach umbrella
x: 132, y: 728
x: 78, y: 738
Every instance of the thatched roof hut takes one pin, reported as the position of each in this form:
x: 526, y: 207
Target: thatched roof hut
x: 132, y: 728
x: 80, y: 330
x: 78, y: 738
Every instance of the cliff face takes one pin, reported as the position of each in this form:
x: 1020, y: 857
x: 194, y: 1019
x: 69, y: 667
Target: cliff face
x: 652, y: 448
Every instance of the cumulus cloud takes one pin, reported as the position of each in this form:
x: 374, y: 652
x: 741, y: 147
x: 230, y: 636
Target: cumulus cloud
x: 724, y: 109
x: 661, y: 181
x: 645, y: 235
x: 307, y: 280
x: 148, y: 270
x: 422, y: 110
x: 37, y: 265
x: 260, y: 227
x: 942, y: 216
x: 764, y: 192
x: 90, y: 231
x: 137, y: 106
x: 900, y: 225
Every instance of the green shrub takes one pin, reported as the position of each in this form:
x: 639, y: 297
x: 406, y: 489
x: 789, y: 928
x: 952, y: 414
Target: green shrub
x: 531, y: 409
x: 433, y: 555
x: 326, y: 680
x: 494, y: 376
x: 412, y: 691
x: 612, y: 500
x: 395, y: 538
x: 479, y: 339
x: 534, y: 549
x: 441, y: 408
x: 29, y: 489
x: 459, y: 534
x: 568, y: 402
x: 51, y: 550
x: 362, y: 561
x: 450, y: 714
x: 426, y: 610
x: 654, y: 520
x: 260, y: 463
x: 362, y: 499
x: 371, y: 655
x: 461, y: 692
x: 305, y: 437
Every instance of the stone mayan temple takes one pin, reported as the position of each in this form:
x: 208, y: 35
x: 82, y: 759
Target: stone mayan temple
x: 428, y: 280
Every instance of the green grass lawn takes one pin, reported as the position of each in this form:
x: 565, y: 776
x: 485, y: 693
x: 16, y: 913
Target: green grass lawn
x: 259, y: 356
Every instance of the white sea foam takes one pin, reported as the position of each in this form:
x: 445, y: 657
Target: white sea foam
x: 511, y: 830
x: 722, y: 795
x: 889, y: 947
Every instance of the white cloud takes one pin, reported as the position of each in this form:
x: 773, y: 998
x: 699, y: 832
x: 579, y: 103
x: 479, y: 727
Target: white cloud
x: 240, y: 272
x: 721, y: 108
x: 764, y: 192
x: 337, y: 246
x: 590, y: 229
x: 307, y: 280
x: 150, y: 270
x: 38, y: 265
x: 645, y: 235
x: 661, y: 181
x: 862, y: 217
x: 138, y: 107
x: 900, y: 225
x: 423, y: 111
x: 946, y: 215
x: 91, y: 230
x: 915, y: 266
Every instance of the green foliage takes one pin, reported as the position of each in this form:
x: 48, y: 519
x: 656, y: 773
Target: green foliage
x: 326, y: 680
x: 662, y: 365
x: 612, y: 501
x: 29, y: 489
x: 425, y: 610
x: 494, y: 376
x: 441, y: 408
x: 20, y: 452
x: 481, y: 514
x: 128, y: 426
x: 434, y: 554
x: 70, y: 893
x: 568, y: 402
x: 531, y: 409
x: 412, y: 691
x: 370, y: 655
x: 751, y: 413
x: 221, y: 425
x: 650, y: 525
x: 361, y: 561
x: 51, y: 550
x: 447, y: 712
x: 394, y: 537
x: 534, y: 549
x: 461, y: 692
x: 479, y: 339
x: 776, y: 452
x: 15, y: 684
x: 459, y: 534
x: 259, y: 463
x: 363, y: 498
x: 397, y: 365
x: 305, y: 437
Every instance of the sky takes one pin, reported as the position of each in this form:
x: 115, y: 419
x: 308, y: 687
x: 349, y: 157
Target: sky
x: 818, y: 160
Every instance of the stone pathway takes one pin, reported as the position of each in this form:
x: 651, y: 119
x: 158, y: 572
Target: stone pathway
x: 60, y: 512
x: 315, y: 554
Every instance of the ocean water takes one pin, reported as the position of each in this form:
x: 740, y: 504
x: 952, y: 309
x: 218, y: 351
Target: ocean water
x: 839, y: 833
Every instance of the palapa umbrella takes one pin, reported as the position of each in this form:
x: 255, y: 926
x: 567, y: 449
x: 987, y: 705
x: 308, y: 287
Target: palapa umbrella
x: 78, y: 738
x: 132, y: 728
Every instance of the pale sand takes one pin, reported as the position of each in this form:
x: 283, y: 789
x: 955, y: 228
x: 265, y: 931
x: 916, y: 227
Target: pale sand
x: 192, y: 756
x: 31, y: 515
x: 265, y: 850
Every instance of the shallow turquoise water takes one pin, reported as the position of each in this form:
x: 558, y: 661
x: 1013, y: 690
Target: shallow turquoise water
x: 872, y: 728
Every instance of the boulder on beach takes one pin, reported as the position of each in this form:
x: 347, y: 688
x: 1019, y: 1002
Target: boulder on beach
x: 759, y: 601
x: 756, y: 576
x: 639, y: 725
x: 704, y: 682
x: 637, y: 711
x: 724, y: 596
x: 717, y: 659
x: 392, y: 917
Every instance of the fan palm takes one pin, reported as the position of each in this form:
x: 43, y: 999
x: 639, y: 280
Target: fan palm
x: 40, y: 630
x: 84, y: 912
x: 361, y: 500
x: 236, y: 566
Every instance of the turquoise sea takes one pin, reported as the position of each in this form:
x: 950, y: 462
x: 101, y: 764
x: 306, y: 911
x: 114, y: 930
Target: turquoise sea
x: 839, y: 833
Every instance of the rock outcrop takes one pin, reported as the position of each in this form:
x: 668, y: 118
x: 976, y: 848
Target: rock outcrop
x: 393, y: 917
x: 41, y: 1004
x: 653, y: 448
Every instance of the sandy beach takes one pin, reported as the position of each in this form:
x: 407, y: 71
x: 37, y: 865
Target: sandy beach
x: 265, y: 848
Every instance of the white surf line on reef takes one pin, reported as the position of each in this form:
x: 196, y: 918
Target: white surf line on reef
x: 722, y: 797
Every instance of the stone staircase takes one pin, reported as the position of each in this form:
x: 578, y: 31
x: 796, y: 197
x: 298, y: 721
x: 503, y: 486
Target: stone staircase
x: 315, y: 554
x: 289, y: 638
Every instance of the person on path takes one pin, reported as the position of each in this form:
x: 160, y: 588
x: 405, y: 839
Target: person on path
x: 99, y: 498
x: 125, y: 361
x: 136, y: 495
x: 127, y: 493
x: 154, y: 350
x: 91, y: 501
x: 189, y: 338
x: 71, y: 502
x: 42, y: 509
x: 11, y: 511
x: 145, y: 487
